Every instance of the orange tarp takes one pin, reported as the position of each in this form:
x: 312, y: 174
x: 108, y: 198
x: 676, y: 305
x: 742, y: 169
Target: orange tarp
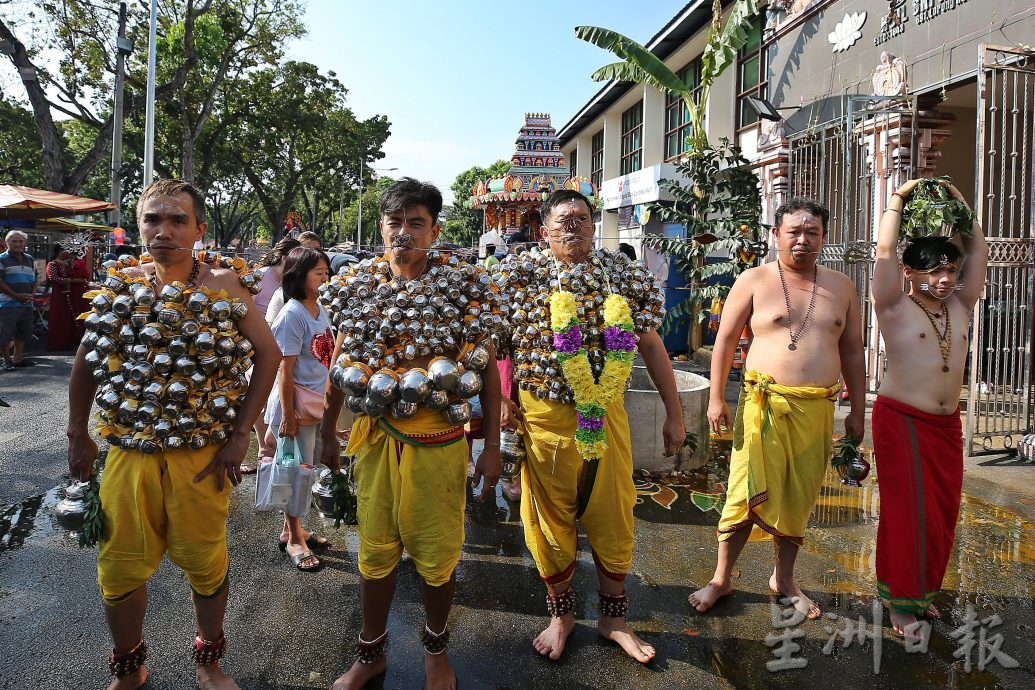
x: 26, y: 203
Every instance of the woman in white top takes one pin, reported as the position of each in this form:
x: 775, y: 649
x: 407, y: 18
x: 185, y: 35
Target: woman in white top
x: 303, y: 332
x: 273, y: 263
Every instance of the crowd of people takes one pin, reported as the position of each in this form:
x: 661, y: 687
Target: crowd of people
x: 557, y: 381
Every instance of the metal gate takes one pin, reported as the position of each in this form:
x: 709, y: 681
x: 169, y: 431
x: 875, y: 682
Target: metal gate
x: 1000, y: 398
x: 852, y: 165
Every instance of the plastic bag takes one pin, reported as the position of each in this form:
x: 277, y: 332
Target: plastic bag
x: 283, y: 484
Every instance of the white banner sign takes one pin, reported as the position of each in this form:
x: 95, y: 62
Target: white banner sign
x: 640, y: 187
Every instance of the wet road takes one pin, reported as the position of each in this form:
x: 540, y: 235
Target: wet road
x: 295, y: 630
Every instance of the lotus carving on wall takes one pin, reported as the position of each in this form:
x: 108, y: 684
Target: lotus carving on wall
x: 847, y: 31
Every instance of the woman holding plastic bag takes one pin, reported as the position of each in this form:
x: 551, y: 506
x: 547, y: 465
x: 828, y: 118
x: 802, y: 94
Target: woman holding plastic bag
x: 295, y: 406
x: 272, y: 264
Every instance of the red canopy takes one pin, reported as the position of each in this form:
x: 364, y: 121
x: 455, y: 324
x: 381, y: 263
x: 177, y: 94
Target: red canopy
x: 26, y: 203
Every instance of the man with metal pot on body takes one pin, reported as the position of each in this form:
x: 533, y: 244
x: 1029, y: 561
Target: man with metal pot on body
x: 414, y: 342
x: 578, y: 317
x: 168, y: 344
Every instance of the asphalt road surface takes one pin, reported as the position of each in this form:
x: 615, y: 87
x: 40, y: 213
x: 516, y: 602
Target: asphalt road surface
x: 288, y: 629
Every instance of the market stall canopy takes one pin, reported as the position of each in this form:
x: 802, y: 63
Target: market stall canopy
x: 26, y: 203
x: 70, y: 225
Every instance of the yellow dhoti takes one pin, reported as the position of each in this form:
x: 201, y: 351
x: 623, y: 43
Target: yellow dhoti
x: 151, y: 504
x: 781, y: 443
x: 559, y: 487
x: 411, y: 492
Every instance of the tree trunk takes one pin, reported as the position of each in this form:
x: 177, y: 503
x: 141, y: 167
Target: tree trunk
x: 52, y: 155
x: 187, y: 154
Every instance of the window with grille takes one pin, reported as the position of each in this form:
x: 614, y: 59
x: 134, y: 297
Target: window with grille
x: 632, y: 139
x: 596, y: 160
x: 677, y: 115
x: 751, y: 79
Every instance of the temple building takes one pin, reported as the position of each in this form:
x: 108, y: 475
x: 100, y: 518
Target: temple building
x: 537, y: 169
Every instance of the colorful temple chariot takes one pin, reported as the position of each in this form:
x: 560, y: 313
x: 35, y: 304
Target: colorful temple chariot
x: 537, y: 169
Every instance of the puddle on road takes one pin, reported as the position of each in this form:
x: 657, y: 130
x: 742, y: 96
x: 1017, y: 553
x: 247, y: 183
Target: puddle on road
x: 987, y: 536
x: 33, y: 515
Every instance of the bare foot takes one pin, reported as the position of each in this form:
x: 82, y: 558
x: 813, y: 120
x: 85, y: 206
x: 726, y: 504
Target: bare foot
x: 616, y: 630
x: 704, y: 598
x: 438, y: 674
x: 360, y: 674
x: 131, y: 681
x: 906, y: 624
x: 792, y: 591
x: 551, y: 641
x: 213, y: 678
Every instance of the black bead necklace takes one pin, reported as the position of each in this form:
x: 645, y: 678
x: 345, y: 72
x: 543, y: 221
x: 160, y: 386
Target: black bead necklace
x: 195, y: 269
x: 805, y: 322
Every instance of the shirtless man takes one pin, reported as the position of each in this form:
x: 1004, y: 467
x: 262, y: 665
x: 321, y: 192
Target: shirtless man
x: 917, y: 436
x: 159, y: 497
x: 806, y: 330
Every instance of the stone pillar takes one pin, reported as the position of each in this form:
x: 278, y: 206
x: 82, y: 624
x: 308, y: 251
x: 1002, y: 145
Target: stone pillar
x: 653, y: 126
x: 612, y: 166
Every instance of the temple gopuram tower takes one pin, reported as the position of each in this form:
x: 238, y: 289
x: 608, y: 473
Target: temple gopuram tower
x: 537, y: 169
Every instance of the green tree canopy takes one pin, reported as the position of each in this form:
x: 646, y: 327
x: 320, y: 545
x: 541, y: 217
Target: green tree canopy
x: 65, y: 51
x: 466, y: 224
x: 290, y: 131
x: 20, y: 146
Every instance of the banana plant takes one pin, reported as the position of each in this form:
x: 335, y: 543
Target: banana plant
x: 637, y: 64
x: 721, y: 206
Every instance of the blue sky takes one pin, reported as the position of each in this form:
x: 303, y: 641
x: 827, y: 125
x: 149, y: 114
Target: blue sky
x: 455, y: 78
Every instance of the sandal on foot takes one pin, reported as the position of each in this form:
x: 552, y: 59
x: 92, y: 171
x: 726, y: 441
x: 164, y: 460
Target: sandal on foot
x: 314, y: 542
x: 7, y: 366
x: 298, y: 558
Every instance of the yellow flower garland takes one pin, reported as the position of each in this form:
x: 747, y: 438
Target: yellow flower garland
x: 577, y: 370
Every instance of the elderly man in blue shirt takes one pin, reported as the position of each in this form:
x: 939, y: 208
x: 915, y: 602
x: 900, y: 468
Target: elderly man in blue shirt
x: 17, y: 287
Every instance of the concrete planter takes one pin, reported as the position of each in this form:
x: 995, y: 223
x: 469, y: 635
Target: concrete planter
x: 647, y: 417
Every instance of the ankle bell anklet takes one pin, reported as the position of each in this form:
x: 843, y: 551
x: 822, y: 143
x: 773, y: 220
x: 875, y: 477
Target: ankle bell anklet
x: 373, y: 651
x: 207, y: 652
x: 560, y: 604
x: 614, y: 605
x: 434, y: 643
x: 120, y: 665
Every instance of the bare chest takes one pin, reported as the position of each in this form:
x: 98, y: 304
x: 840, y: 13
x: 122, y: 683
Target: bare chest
x: 920, y: 336
x: 797, y: 310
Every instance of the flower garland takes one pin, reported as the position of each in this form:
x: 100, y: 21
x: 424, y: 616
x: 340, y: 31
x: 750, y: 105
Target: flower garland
x: 592, y: 397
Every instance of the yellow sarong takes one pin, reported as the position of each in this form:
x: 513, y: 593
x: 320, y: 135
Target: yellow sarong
x: 559, y: 487
x: 411, y: 492
x: 151, y: 504
x: 781, y: 442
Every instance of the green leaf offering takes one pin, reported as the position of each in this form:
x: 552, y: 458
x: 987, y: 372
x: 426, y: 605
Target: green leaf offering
x: 705, y: 501
x: 345, y: 504
x: 931, y: 211
x: 844, y: 452
x: 93, y: 520
x: 690, y: 442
